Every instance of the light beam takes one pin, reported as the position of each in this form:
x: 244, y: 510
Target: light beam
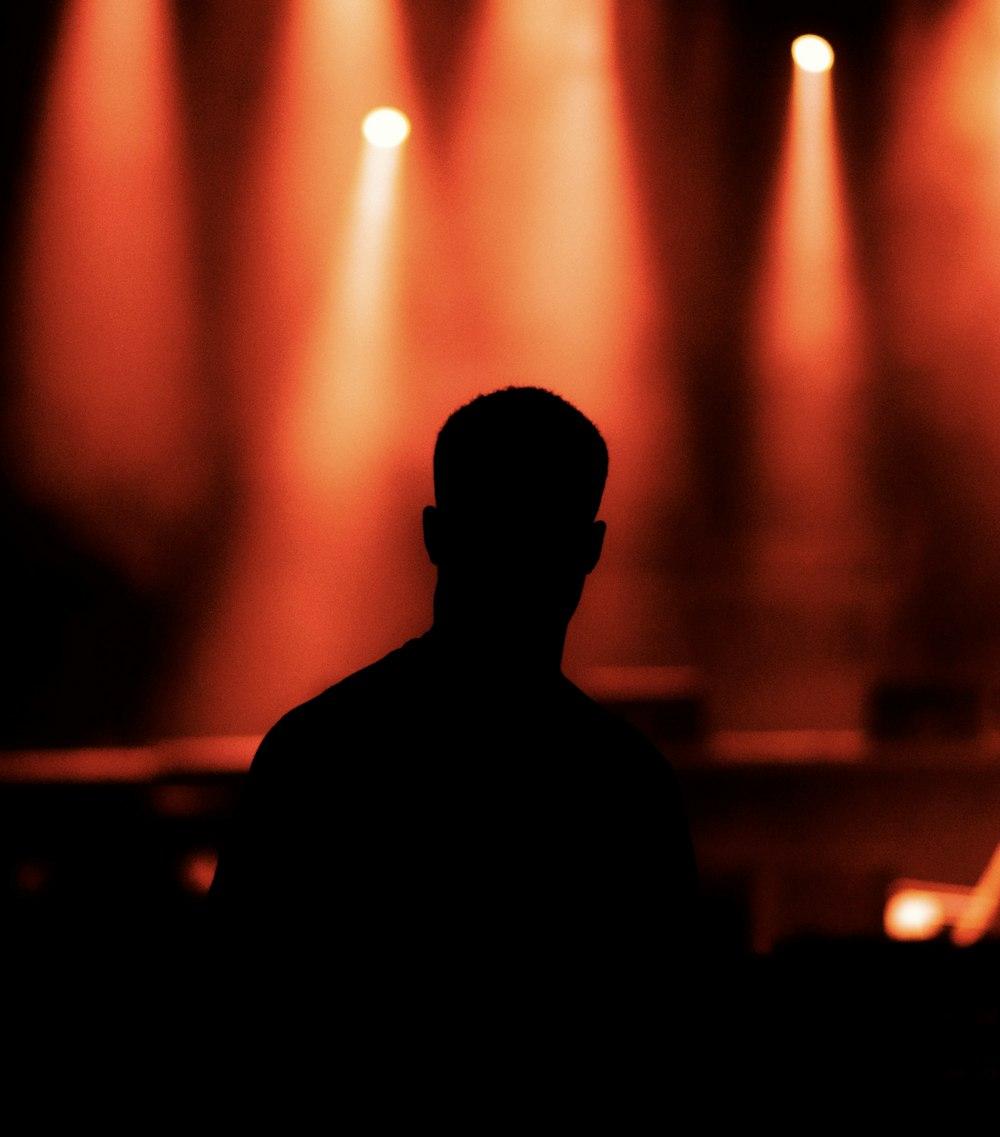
x: 558, y: 262
x: 108, y: 421
x: 809, y: 355
x: 312, y: 587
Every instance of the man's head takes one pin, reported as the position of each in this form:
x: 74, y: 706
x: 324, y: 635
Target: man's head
x: 518, y: 479
x: 519, y: 448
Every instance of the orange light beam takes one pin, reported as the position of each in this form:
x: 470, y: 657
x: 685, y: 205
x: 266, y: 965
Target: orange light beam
x: 315, y: 332
x: 345, y: 387
x: 551, y: 206
x: 561, y: 273
x: 809, y: 335
x: 109, y: 410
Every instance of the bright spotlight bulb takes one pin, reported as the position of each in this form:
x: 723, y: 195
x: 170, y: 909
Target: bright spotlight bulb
x: 812, y: 53
x: 913, y: 915
x: 386, y: 127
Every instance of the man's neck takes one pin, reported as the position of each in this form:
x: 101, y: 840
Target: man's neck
x: 494, y: 647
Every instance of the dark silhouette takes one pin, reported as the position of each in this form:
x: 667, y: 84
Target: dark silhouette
x: 457, y: 834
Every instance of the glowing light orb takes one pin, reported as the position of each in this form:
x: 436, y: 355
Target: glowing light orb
x: 913, y: 915
x: 812, y: 53
x: 386, y: 127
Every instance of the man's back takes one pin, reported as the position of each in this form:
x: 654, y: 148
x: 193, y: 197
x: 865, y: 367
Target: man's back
x: 456, y: 843
x: 422, y: 819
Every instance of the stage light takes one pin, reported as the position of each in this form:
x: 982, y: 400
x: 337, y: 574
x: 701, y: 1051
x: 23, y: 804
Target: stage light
x: 386, y: 127
x: 812, y: 53
x: 913, y: 914
x: 919, y: 909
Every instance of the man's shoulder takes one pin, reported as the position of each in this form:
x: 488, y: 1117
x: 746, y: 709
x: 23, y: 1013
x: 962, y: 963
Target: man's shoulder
x: 396, y: 672
x: 605, y: 724
x: 354, y: 706
x: 614, y: 748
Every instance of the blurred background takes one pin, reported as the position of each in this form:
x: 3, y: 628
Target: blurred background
x: 232, y: 326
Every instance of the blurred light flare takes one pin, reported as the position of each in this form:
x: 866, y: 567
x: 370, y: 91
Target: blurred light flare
x: 920, y: 910
x: 913, y: 914
x: 386, y: 127
x: 812, y: 53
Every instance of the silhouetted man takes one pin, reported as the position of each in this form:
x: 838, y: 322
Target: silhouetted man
x: 457, y: 829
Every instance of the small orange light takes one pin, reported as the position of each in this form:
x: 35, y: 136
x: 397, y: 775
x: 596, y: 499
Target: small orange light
x: 812, y: 53
x: 913, y: 915
x: 386, y: 127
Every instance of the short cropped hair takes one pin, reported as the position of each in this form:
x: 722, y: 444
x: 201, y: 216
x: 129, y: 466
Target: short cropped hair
x: 520, y: 448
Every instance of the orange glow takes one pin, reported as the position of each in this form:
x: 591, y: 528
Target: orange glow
x: 981, y: 910
x: 377, y: 292
x: 178, y: 758
x: 913, y: 915
x: 386, y: 127
x: 557, y: 265
x: 809, y: 356
x: 346, y: 373
x: 809, y: 332
x: 314, y: 586
x: 197, y: 870
x: 552, y: 216
x: 941, y: 183
x: 919, y: 910
x: 809, y: 335
x: 110, y: 410
x: 812, y: 53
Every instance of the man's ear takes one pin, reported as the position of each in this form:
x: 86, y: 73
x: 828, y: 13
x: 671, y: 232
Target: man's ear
x: 432, y: 533
x: 595, y: 544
